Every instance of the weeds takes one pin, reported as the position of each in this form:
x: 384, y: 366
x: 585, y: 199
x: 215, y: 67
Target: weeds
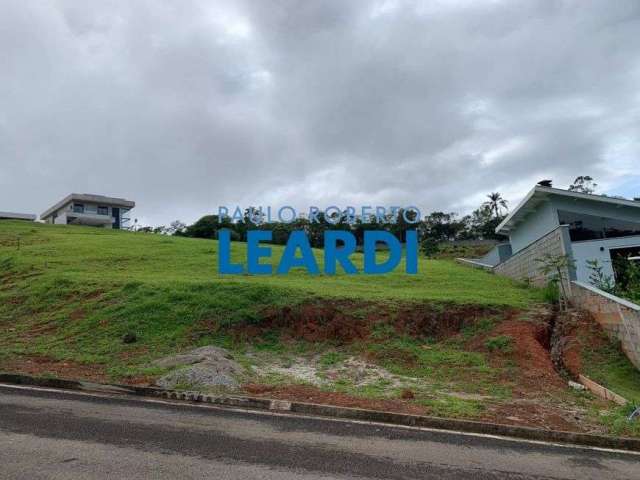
x: 501, y: 343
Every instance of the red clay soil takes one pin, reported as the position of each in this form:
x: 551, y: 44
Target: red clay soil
x: 537, y: 373
x: 40, y: 366
x: 66, y: 369
x: 521, y: 413
x: 348, y: 321
x: 310, y: 394
x: 579, y: 329
x: 529, y: 351
x: 534, y: 415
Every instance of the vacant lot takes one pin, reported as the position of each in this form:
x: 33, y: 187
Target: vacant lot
x: 89, y: 303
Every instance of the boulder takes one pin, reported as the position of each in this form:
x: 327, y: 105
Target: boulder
x: 207, y: 366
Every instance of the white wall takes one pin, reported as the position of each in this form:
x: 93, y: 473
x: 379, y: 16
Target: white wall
x: 534, y: 226
x: 590, y: 250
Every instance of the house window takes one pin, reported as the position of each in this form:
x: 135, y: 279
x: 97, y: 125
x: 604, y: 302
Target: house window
x: 103, y: 210
x: 78, y: 208
x: 590, y: 227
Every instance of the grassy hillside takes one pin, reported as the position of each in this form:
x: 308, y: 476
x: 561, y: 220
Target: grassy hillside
x: 450, y: 341
x: 72, y: 292
x: 109, y: 257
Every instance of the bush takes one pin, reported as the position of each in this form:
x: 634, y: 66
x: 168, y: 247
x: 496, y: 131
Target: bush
x: 430, y: 246
x: 551, y: 292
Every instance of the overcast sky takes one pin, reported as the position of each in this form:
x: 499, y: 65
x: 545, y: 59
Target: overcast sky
x: 186, y: 105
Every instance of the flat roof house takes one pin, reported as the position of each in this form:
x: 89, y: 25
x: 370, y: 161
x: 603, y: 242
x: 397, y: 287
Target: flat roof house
x: 582, y: 226
x: 17, y: 216
x: 89, y: 209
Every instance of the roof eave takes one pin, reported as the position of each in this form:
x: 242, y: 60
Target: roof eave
x: 502, y: 228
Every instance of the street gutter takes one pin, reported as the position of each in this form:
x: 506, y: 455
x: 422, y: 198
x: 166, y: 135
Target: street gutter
x: 330, y: 411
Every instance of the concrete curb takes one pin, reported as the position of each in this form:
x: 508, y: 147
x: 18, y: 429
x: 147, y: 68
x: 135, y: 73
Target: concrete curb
x: 468, y: 426
x: 602, y: 392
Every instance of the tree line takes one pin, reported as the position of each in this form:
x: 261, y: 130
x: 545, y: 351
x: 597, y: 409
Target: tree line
x: 433, y: 229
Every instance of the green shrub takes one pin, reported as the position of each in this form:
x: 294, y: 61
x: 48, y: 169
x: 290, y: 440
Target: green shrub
x: 551, y: 292
x: 501, y: 343
x: 430, y: 246
x: 330, y: 359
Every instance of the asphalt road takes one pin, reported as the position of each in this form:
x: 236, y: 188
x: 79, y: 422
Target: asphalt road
x: 55, y: 435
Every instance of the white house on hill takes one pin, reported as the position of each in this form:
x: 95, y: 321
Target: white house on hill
x: 582, y: 226
x: 89, y: 209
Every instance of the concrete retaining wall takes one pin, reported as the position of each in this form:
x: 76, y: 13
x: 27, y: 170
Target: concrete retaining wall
x: 618, y: 317
x: 475, y: 264
x: 523, y: 265
x: 601, y: 391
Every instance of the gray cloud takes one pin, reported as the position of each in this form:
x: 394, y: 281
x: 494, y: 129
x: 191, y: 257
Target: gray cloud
x: 186, y: 106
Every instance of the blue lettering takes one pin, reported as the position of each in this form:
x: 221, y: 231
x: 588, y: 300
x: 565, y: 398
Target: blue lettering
x: 224, y: 254
x: 298, y: 239
x: 332, y: 253
x: 255, y: 252
x: 411, y: 252
x: 371, y: 238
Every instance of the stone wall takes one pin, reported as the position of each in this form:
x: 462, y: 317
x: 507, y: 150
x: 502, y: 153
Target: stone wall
x: 618, y: 317
x: 523, y: 265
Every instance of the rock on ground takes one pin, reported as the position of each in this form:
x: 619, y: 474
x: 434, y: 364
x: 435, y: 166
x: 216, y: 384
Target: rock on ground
x: 204, y: 367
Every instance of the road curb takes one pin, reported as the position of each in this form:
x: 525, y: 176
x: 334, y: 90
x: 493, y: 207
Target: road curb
x: 467, y: 426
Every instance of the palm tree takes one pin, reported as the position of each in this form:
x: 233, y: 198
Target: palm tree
x: 495, y: 203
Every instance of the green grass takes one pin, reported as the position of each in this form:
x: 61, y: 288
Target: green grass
x: 96, y: 256
x: 331, y: 358
x: 609, y: 366
x: 444, y: 365
x: 453, y: 407
x: 72, y: 292
x: 501, y: 343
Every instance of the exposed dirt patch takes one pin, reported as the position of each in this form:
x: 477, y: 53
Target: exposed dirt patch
x: 440, y: 322
x: 39, y: 366
x: 141, y: 380
x: 529, y: 335
x: 526, y: 413
x: 394, y: 355
x: 133, y: 353
x: 314, y: 322
x: 77, y: 314
x: 537, y: 372
x: 347, y: 321
x: 407, y: 394
x: 39, y: 329
x: 353, y: 369
x: 577, y: 330
x: 310, y: 394
x: 522, y: 413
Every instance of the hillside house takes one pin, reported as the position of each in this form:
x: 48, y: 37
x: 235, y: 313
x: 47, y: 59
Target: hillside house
x: 89, y: 209
x: 582, y: 226
x: 17, y: 216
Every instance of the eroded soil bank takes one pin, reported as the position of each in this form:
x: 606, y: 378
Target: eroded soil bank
x: 452, y: 360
